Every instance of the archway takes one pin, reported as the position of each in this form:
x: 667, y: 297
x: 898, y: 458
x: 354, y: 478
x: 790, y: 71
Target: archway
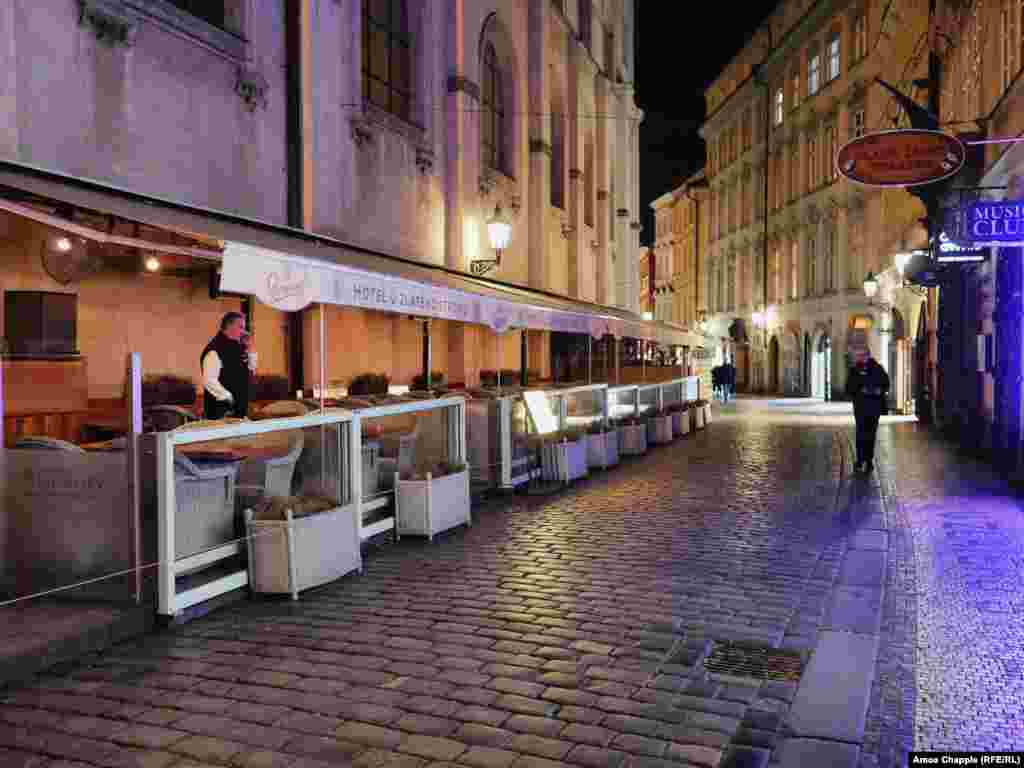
x: 773, y: 365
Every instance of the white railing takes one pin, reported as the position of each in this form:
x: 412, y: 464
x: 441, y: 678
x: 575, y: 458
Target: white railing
x: 171, y: 563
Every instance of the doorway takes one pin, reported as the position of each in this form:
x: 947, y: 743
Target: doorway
x: 773, y: 365
x: 821, y: 367
x: 806, y: 385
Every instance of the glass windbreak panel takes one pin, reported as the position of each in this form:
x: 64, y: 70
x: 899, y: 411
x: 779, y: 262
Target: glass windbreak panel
x: 584, y: 409
x: 217, y: 481
x: 523, y: 458
x: 408, y: 444
x: 672, y: 393
x: 647, y: 398
x: 621, y: 403
x: 555, y: 402
x: 483, y: 437
x: 67, y: 528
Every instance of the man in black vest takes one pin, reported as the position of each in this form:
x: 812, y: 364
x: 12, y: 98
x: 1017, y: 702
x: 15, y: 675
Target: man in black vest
x: 226, y: 371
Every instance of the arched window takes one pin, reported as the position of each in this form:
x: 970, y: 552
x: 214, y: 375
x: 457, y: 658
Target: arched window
x: 387, y: 57
x: 812, y: 267
x: 492, y: 128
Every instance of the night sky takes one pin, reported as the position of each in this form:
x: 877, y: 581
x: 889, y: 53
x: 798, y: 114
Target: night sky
x: 680, y: 49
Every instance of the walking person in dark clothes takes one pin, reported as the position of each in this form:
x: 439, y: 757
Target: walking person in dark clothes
x: 226, y: 371
x: 867, y: 384
x: 728, y: 381
x: 716, y: 381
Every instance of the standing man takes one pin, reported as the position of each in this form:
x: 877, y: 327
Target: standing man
x: 867, y: 384
x: 226, y: 371
x: 729, y: 380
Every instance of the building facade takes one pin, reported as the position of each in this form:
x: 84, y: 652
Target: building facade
x: 975, y: 366
x: 396, y: 127
x: 790, y: 242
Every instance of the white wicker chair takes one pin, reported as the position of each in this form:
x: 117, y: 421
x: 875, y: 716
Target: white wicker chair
x: 271, y: 477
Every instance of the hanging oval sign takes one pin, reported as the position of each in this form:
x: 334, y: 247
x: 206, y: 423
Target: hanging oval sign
x: 901, y: 158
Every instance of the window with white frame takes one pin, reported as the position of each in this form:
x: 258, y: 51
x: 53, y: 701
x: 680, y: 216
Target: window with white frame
x: 794, y: 269
x: 813, y: 73
x: 1008, y: 42
x: 779, y: 106
x: 829, y: 152
x: 812, y: 267
x: 812, y: 163
x: 387, y: 57
x: 833, y: 56
x: 493, y: 138
x: 857, y: 122
x: 860, y: 37
x: 830, y: 260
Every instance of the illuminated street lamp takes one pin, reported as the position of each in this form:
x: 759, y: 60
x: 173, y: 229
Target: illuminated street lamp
x: 499, y: 232
x: 648, y: 315
x: 870, y: 286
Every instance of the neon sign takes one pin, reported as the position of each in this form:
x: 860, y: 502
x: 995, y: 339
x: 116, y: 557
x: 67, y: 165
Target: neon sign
x: 947, y: 252
x: 992, y: 223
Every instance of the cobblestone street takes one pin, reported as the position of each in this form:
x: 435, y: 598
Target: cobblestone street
x: 579, y: 628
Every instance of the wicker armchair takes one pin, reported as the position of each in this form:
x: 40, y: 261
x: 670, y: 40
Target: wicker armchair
x: 164, y: 418
x: 40, y: 443
x: 204, y: 493
x: 270, y: 477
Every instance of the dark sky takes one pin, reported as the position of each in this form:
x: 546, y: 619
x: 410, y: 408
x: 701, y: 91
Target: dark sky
x: 680, y: 48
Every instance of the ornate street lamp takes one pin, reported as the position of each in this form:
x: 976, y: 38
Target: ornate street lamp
x: 499, y: 232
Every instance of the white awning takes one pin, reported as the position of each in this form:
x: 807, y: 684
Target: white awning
x: 292, y: 283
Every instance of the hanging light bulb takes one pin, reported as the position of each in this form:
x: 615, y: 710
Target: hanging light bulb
x: 63, y: 244
x: 152, y: 263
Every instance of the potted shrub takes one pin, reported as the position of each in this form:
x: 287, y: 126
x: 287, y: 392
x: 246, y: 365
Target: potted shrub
x: 366, y: 384
x: 437, y: 382
x: 300, y: 542
x: 659, y: 428
x: 680, y: 419
x: 602, y: 445
x: 269, y: 388
x: 632, y: 437
x: 432, y: 499
x: 563, y: 456
x: 167, y: 389
x: 698, y: 411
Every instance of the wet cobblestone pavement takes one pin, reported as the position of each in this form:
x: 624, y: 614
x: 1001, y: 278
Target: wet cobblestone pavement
x: 574, y: 629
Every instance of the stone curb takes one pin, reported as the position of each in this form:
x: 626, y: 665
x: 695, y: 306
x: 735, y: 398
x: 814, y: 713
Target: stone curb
x: 826, y: 723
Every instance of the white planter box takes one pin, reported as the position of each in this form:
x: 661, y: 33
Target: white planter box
x: 707, y: 414
x: 659, y: 430
x: 429, y: 507
x: 680, y: 423
x: 288, y: 556
x: 564, y: 462
x: 633, y: 440
x: 603, y: 449
x: 698, y: 415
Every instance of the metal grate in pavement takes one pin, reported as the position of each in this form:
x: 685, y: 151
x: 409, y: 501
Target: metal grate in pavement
x: 760, y: 662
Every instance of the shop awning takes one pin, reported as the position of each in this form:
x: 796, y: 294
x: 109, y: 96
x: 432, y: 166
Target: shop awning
x: 290, y: 268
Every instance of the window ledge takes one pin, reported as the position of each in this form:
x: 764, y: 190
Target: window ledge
x: 170, y: 18
x: 374, y: 117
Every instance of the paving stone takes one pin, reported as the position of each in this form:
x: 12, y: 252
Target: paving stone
x: 371, y: 735
x: 863, y: 568
x: 488, y: 757
x: 874, y: 540
x: 539, y: 726
x: 855, y: 609
x: 640, y: 745
x: 695, y: 754
x: 595, y: 757
x: 432, y: 748
x: 813, y: 753
x: 748, y: 757
x: 552, y: 749
x: 832, y: 700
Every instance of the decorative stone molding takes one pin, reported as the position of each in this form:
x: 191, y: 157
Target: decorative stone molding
x: 425, y: 160
x: 622, y: 213
x: 462, y: 84
x: 362, y: 133
x: 602, y: 195
x: 636, y: 226
x: 252, y: 87
x: 575, y: 174
x: 855, y: 93
x: 111, y: 22
x: 539, y: 145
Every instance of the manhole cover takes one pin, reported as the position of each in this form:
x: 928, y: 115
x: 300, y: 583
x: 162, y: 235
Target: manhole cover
x: 760, y: 662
